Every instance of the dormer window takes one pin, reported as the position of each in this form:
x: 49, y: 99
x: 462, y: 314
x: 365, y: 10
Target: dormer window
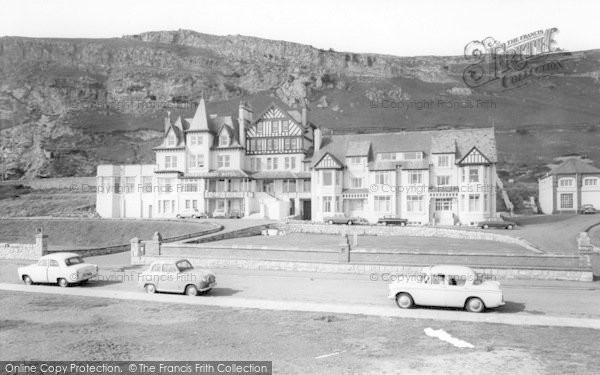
x: 171, y: 140
x: 224, y: 139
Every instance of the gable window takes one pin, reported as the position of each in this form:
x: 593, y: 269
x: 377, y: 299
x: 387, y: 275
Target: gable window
x: 269, y: 144
x: 276, y: 144
x: 382, y: 178
x: 293, y: 144
x: 223, y: 161
x: 443, y: 180
x: 590, y: 181
x: 253, y: 145
x: 259, y: 127
x: 566, y: 201
x: 224, y: 139
x: 415, y: 177
x: 171, y: 140
x: 566, y: 182
x: 275, y: 127
x: 286, y: 144
x: 443, y: 160
x: 473, y: 174
x: 285, y: 126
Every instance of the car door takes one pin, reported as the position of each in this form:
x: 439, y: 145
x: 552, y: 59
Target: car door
x: 169, y: 282
x: 39, y: 272
x: 433, y: 291
x: 54, y: 271
x: 152, y: 276
x: 457, y: 290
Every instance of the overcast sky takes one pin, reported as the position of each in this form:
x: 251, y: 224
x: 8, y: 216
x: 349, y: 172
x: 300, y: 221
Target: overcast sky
x: 405, y: 28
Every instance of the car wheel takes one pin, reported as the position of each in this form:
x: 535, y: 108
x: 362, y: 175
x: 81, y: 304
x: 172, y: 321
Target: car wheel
x: 350, y: 222
x: 485, y: 226
x: 509, y: 227
x: 150, y: 288
x: 27, y: 280
x: 63, y: 283
x: 384, y: 223
x: 178, y: 216
x: 402, y: 224
x: 191, y: 290
x: 475, y: 305
x: 330, y: 222
x: 404, y: 301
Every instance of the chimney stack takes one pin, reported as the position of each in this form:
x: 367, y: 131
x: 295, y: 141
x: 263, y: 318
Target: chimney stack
x: 317, y: 139
x: 304, y: 119
x: 245, y: 117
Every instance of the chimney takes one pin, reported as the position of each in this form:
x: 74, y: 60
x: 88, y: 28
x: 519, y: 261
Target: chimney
x: 245, y: 117
x: 317, y: 139
x: 304, y: 120
x: 167, y: 121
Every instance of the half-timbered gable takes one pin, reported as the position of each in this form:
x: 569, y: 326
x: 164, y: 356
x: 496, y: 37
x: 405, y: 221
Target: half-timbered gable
x: 474, y: 157
x: 275, y: 131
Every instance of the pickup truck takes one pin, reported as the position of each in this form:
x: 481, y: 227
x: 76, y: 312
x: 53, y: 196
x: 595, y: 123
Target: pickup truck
x: 392, y: 220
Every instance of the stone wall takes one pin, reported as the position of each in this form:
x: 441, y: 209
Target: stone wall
x: 25, y: 251
x: 53, y: 183
x: 420, y: 231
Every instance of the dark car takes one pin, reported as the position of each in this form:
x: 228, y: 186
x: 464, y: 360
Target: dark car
x: 496, y: 223
x: 588, y: 209
x: 392, y: 220
x: 343, y: 219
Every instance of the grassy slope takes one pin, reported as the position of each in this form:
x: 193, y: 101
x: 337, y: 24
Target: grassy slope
x: 91, y: 232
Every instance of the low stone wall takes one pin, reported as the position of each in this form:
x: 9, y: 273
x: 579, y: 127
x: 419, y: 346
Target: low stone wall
x: 372, y: 271
x: 25, y: 251
x: 245, y: 232
x: 380, y: 230
x: 53, y: 183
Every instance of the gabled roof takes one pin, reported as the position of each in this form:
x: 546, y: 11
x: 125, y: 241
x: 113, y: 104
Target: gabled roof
x: 574, y: 166
x: 335, y: 163
x: 200, y: 120
x: 457, y: 141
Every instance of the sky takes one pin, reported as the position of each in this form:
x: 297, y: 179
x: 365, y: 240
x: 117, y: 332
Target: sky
x: 403, y: 28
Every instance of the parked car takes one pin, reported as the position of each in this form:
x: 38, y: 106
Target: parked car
x: 222, y: 214
x: 177, y: 276
x: 587, y: 209
x: 63, y: 269
x: 446, y: 286
x: 343, y: 219
x: 191, y: 213
x: 496, y: 223
x: 392, y: 220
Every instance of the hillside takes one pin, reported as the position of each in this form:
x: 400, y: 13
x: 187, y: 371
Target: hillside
x: 67, y: 105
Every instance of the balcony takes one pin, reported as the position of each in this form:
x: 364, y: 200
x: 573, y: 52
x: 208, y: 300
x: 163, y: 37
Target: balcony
x: 228, y: 194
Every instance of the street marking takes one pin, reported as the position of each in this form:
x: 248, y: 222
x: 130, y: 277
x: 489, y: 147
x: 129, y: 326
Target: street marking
x: 445, y: 336
x: 329, y: 355
x: 352, y: 309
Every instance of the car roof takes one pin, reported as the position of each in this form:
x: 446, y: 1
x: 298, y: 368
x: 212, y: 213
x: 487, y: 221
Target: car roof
x: 450, y: 270
x: 60, y: 256
x: 171, y: 261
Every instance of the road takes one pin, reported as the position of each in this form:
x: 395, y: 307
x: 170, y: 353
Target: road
x: 523, y: 297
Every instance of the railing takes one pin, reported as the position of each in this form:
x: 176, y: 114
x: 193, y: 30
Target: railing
x: 228, y: 194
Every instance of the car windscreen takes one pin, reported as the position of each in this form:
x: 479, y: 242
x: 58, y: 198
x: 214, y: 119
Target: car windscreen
x: 184, y: 265
x: 74, y: 260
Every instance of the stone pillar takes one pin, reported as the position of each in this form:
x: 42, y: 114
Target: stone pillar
x: 152, y: 247
x: 344, y: 256
x: 588, y: 254
x: 41, y: 243
x: 136, y: 250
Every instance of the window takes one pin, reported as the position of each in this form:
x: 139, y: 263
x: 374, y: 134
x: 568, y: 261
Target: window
x: 253, y: 164
x: 286, y: 144
x: 356, y: 183
x: 327, y: 178
x: 171, y: 140
x: 170, y: 162
x: 356, y: 204
x: 290, y: 162
x: 443, y: 160
x: 53, y: 263
x: 356, y: 160
x: 382, y: 178
x: 474, y: 204
x: 195, y: 204
x: 443, y: 180
x: 275, y: 162
x: 457, y: 280
x: 443, y: 204
x: 413, y: 156
x: 188, y: 204
x: 382, y: 203
x: 129, y: 184
x: 293, y: 144
x: 259, y: 127
x: 224, y: 139
x: 275, y: 127
x: 269, y: 144
x: 223, y: 161
x: 276, y: 144
x: 387, y: 156
x: 195, y: 139
x: 190, y: 187
x: 169, y: 268
x: 285, y: 126
x: 566, y: 182
x: 566, y: 201
x: 269, y: 163
x: 192, y: 161
x: 327, y: 204
x: 590, y: 182
x: 415, y: 177
x: 474, y: 174
x: 414, y: 203
x: 289, y: 186
x: 146, y: 184
x: 438, y: 279
x: 43, y: 262
x: 287, y: 162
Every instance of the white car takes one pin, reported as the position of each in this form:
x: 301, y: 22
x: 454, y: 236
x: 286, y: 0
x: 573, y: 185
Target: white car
x: 176, y: 276
x: 191, y: 213
x: 446, y: 286
x: 58, y: 268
